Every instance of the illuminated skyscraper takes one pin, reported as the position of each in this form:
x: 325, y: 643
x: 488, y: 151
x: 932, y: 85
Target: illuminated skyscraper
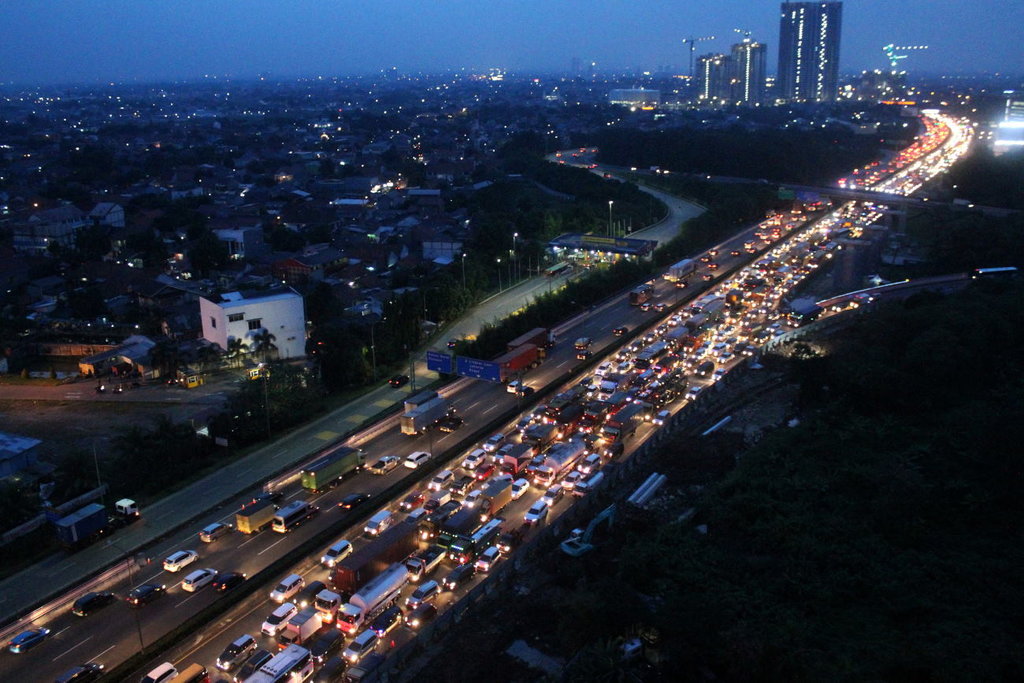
x: 747, y: 67
x: 712, y: 78
x: 809, y: 50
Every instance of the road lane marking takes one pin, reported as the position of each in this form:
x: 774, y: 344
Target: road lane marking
x: 270, y: 546
x: 252, y: 537
x: 278, y: 454
x: 61, y: 631
x: 490, y: 409
x: 102, y: 653
x: 292, y: 495
x: 153, y: 578
x: 72, y: 648
x: 187, y: 599
x: 562, y: 363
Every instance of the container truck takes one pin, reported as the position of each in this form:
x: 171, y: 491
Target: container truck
x: 714, y: 309
x: 299, y: 628
x: 327, y: 603
x: 641, y: 294
x: 394, y: 545
x: 541, y: 337
x: 373, y: 598
x: 515, y: 458
x: 517, y: 361
x: 681, y: 270
x: 559, y: 461
x: 419, y: 399
x: 416, y: 421
x: 496, y: 496
x: 327, y: 471
x: 540, y: 435
x: 423, y: 562
x: 255, y: 516
x: 623, y: 423
x: 86, y: 524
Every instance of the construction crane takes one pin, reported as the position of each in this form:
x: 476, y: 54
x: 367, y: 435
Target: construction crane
x: 743, y: 32
x: 691, y: 41
x: 894, y: 59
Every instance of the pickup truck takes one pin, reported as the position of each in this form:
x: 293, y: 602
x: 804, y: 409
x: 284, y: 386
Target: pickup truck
x: 423, y: 562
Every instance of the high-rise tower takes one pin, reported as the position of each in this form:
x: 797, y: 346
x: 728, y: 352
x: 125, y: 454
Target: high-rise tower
x: 809, y: 50
x: 713, y: 78
x: 747, y: 64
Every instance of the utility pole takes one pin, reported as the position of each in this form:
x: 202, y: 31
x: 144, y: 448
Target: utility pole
x: 610, y: 202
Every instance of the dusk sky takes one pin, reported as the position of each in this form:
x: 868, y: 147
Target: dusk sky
x: 68, y: 41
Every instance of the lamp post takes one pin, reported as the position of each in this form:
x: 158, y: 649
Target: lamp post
x: 515, y: 235
x: 265, y: 374
x: 373, y: 348
x: 499, y: 275
x: 610, y: 202
x: 463, y: 271
x: 135, y: 613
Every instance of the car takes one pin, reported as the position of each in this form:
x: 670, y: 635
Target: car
x: 236, y: 652
x: 712, y: 266
x: 645, y: 306
x: 449, y: 423
x: 660, y: 307
x: 279, y: 616
x: 412, y: 501
x: 331, y: 671
x: 90, y: 602
x: 81, y: 673
x: 493, y: 443
x: 693, y: 391
x: 328, y: 643
x: 707, y: 277
x: 461, y: 485
x: 253, y: 664
x: 384, y: 465
x: 705, y: 258
x: 399, y: 381
x: 175, y: 562
x: 441, y: 480
x: 353, y: 500
x: 420, y: 615
x: 619, y: 331
x: 524, y: 422
x: 161, y: 674
x: 305, y: 598
x: 289, y: 586
x: 719, y: 373
x: 519, y: 488
x: 26, y: 640
x: 488, y: 558
x: 734, y: 252
x: 228, y: 580
x: 484, y: 471
x: 198, y: 579
x: 387, y: 620
x: 510, y: 540
x: 425, y: 592
x: 458, y: 576
x: 416, y: 458
x: 361, y: 645
x: 553, y: 495
x: 662, y: 417
x: 336, y: 553
x: 537, y: 513
x: 211, y: 532
x: 472, y: 498
x: 571, y: 479
x: 452, y: 343
x: 146, y: 593
x: 525, y: 391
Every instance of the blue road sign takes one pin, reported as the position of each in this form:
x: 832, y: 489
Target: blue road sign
x: 439, y: 362
x: 476, y: 368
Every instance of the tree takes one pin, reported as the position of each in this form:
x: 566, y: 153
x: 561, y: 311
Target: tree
x: 92, y: 242
x: 236, y: 350
x: 263, y: 344
x: 208, y: 254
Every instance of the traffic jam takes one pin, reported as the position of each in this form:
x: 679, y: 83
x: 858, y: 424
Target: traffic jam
x: 340, y: 612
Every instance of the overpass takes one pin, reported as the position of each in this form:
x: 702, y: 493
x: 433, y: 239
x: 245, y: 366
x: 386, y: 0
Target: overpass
x: 899, y: 290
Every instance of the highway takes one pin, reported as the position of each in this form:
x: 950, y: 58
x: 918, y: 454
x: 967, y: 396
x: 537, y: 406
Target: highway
x: 111, y: 635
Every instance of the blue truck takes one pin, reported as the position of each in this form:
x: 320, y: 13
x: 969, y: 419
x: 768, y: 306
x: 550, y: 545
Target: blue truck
x: 86, y: 524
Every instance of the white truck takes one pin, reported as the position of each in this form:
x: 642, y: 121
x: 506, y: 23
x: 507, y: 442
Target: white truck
x: 680, y: 270
x: 373, y: 598
x: 327, y: 603
x: 300, y: 628
x: 421, y: 413
x: 559, y: 461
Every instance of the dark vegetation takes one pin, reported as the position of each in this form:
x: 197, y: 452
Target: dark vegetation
x: 988, y: 180
x: 877, y: 540
x: 788, y: 155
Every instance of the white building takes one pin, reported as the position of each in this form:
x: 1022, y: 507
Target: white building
x: 242, y: 315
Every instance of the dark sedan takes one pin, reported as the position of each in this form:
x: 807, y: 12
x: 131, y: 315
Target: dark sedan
x: 26, y: 640
x: 228, y: 580
x: 146, y: 593
x: 90, y: 602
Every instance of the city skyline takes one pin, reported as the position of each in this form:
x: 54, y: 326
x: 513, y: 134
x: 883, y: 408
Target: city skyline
x: 121, y: 41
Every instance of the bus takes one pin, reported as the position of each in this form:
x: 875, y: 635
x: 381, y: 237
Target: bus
x: 294, y: 663
x: 464, y: 550
x: 646, y: 358
x: 641, y: 294
x: 463, y: 524
x: 292, y: 515
x: 557, y: 269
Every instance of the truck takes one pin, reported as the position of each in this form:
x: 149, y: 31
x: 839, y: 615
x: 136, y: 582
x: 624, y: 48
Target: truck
x: 679, y: 271
x: 373, y: 598
x: 540, y: 435
x: 86, y: 524
x: 516, y: 457
x: 423, y: 562
x: 327, y: 471
x: 394, y: 545
x: 496, y: 496
x: 582, y: 344
x: 714, y: 309
x: 623, y: 423
x: 299, y: 628
x: 559, y: 461
x: 641, y: 294
x: 327, y: 603
x: 517, y: 361
x: 416, y: 421
x: 541, y: 337
x: 255, y: 516
x: 696, y: 322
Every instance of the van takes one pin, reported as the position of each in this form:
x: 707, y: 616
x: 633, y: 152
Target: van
x: 193, y: 673
x: 588, y: 484
x: 441, y: 480
x: 590, y: 463
x: 360, y: 646
x: 336, y: 553
x: 426, y: 592
x: 379, y: 523
x: 417, y: 514
x: 288, y: 587
x: 160, y: 674
x: 437, y: 499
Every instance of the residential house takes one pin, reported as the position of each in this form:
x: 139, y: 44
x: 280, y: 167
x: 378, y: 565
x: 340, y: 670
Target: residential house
x: 243, y: 315
x: 314, y: 263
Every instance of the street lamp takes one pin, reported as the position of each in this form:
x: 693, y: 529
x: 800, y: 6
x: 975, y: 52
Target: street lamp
x: 499, y: 274
x: 463, y: 271
x: 514, y: 254
x: 373, y: 348
x: 135, y: 613
x: 265, y: 374
x: 610, y: 202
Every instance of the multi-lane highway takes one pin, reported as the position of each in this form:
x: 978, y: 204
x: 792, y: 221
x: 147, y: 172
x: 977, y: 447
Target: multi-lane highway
x: 116, y: 632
